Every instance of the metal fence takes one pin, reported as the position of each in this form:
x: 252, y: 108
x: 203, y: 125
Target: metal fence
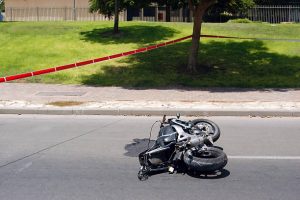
x: 54, y: 14
x: 152, y: 19
x: 275, y: 14
x: 159, y: 14
x: 272, y: 14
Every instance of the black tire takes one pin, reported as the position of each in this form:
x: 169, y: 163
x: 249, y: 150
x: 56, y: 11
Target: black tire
x: 210, y: 127
x: 205, y: 161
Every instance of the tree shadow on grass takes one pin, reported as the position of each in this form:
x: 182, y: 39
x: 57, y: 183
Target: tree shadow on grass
x: 129, y: 34
x: 247, y: 65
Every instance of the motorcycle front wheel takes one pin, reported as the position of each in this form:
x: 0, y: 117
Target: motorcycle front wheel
x: 208, y: 127
x: 208, y: 160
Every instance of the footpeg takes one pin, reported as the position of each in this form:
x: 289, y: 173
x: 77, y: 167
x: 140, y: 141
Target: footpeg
x: 171, y: 170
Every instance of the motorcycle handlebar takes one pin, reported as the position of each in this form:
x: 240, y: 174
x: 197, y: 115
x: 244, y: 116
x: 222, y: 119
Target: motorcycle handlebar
x: 184, y: 124
x: 164, y: 119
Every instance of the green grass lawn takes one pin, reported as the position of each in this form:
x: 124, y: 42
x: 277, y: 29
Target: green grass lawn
x: 28, y: 46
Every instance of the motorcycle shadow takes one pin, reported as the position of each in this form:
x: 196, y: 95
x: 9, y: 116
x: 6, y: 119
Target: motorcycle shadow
x: 223, y: 173
x: 137, y: 146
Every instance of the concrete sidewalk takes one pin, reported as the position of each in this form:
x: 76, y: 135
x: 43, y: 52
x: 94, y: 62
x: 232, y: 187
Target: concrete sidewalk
x: 18, y: 98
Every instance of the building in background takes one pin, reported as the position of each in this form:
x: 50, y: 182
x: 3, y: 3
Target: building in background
x: 46, y: 3
x: 51, y: 10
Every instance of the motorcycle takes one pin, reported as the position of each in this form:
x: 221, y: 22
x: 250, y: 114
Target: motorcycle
x: 185, y: 145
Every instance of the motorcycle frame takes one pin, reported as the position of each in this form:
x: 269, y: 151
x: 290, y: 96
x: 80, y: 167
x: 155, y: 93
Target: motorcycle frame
x: 182, y: 131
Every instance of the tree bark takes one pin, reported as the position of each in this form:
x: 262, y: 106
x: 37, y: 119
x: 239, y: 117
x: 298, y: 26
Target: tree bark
x: 198, y: 12
x: 116, y: 21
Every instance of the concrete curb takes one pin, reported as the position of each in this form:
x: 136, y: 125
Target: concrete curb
x: 151, y: 112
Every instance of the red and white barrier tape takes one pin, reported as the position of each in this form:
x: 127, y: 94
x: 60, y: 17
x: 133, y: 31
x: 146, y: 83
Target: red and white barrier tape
x: 97, y: 60
x: 87, y: 62
x: 250, y: 38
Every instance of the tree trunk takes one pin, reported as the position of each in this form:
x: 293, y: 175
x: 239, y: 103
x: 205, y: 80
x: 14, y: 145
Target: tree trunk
x: 193, y: 56
x: 168, y: 13
x: 198, y: 12
x: 116, y: 21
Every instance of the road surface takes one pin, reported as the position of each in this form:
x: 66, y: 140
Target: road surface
x: 94, y: 157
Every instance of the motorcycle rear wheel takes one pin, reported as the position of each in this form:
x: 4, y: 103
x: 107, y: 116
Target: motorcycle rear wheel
x: 208, y: 127
x: 208, y: 160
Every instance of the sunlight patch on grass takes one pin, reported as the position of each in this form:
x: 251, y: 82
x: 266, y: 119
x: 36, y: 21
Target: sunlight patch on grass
x: 29, y: 46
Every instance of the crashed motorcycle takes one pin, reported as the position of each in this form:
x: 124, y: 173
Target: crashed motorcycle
x: 185, y: 145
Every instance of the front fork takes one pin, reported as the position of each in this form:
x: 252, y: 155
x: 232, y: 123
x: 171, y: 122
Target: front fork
x: 143, y: 174
x: 146, y: 170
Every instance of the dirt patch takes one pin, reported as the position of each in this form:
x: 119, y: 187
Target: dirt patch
x: 65, y: 103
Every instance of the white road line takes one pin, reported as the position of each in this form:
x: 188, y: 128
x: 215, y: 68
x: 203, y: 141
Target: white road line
x: 266, y: 157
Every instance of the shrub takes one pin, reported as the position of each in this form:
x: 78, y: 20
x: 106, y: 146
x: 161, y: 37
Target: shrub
x: 244, y: 20
x: 2, y: 6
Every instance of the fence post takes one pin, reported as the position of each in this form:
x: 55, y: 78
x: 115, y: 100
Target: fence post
x: 180, y: 15
x: 37, y: 14
x: 74, y: 14
x: 190, y: 15
x: 255, y: 11
x: 74, y: 10
x: 156, y: 13
x: 11, y: 14
x: 142, y: 14
x: 289, y: 13
x: 65, y: 13
x: 125, y: 15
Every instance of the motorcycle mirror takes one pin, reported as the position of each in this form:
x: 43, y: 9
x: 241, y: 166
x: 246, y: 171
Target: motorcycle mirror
x: 178, y: 115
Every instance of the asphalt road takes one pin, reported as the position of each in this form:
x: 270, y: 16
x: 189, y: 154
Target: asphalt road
x: 94, y: 157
